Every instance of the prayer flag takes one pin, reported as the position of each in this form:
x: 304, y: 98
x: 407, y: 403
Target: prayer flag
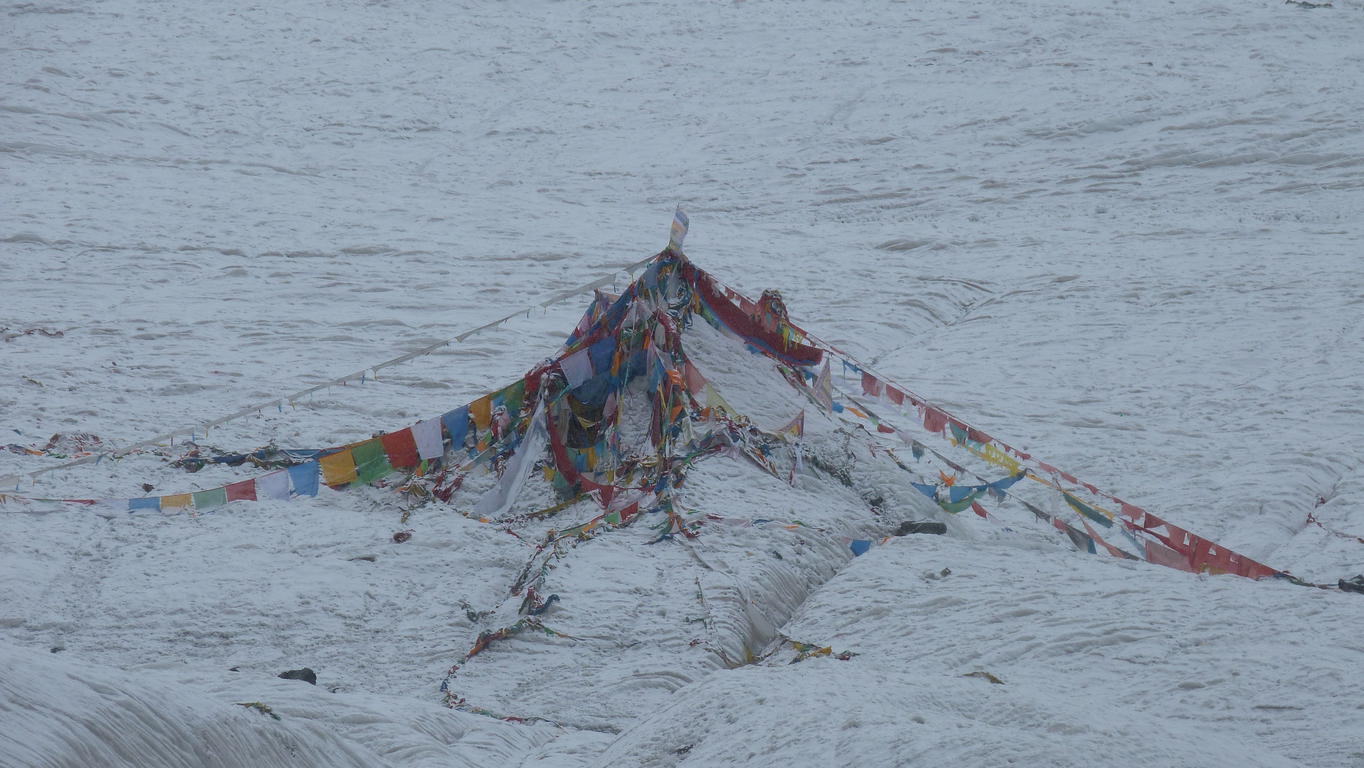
x: 482, y: 410
x: 273, y: 486
x: 427, y: 435
x: 371, y: 463
x: 577, y: 368
x: 304, y: 478
x: 601, y: 354
x: 177, y: 501
x: 457, y: 426
x: 824, y: 387
x: 152, y: 502
x: 514, y: 396
x: 678, y: 232
x: 870, y: 385
x: 934, y: 420
x: 243, y: 491
x: 338, y: 469
x: 209, y: 499
x: 1087, y: 511
x: 401, y: 448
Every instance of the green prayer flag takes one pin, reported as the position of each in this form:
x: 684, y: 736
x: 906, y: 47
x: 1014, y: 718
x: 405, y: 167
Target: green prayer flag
x: 209, y: 499
x: 958, y: 433
x: 371, y: 461
x: 513, y: 397
x: 1087, y: 511
x: 956, y: 506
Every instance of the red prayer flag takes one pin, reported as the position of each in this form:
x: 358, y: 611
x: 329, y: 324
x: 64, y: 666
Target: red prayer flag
x: 1112, y: 550
x: 870, y: 386
x: 934, y: 419
x: 243, y: 491
x: 401, y: 448
x: 978, y: 509
x: 1162, y: 555
x: 895, y: 395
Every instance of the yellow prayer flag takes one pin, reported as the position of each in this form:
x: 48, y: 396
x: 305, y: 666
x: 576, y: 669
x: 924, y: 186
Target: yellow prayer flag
x: 339, y: 468
x: 482, y: 410
x: 178, y: 500
x: 999, y: 458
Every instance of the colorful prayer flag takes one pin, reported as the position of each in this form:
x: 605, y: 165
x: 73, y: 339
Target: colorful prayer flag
x: 371, y: 463
x: 215, y: 497
x: 303, y: 477
x: 482, y: 410
x: 401, y: 448
x: 243, y: 491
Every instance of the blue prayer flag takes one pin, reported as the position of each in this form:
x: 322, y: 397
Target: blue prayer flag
x: 304, y: 478
x: 456, y: 426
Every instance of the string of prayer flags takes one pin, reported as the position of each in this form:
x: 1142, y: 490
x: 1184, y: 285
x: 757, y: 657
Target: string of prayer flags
x: 637, y: 335
x: 1192, y: 553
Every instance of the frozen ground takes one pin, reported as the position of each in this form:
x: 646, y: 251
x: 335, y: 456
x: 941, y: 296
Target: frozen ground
x: 1124, y: 238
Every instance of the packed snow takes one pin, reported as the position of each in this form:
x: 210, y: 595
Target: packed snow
x: 1123, y: 238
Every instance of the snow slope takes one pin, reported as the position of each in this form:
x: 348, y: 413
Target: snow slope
x: 1124, y: 238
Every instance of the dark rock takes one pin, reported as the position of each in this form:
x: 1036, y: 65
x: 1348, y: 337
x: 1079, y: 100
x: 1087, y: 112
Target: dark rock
x: 1352, y: 585
x: 921, y: 526
x: 304, y: 674
x: 401, y: 536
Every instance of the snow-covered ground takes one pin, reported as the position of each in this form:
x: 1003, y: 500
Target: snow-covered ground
x: 1124, y: 238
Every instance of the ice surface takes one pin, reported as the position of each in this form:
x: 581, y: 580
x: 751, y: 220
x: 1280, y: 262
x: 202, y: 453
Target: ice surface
x: 1122, y: 237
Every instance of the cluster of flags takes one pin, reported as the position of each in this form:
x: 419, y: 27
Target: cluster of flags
x: 623, y: 338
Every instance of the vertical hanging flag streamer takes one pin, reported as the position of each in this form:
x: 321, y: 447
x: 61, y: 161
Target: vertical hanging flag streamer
x: 679, y: 230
